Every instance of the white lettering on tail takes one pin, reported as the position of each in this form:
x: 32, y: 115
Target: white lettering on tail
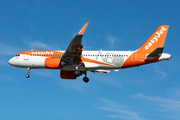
x: 155, y: 38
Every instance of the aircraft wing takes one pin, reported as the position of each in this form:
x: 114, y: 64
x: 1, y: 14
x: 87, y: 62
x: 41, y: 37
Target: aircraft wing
x: 75, y: 48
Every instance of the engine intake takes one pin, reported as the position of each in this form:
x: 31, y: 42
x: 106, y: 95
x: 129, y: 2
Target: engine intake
x: 62, y: 63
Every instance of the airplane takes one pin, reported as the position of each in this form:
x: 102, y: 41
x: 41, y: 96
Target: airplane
x: 75, y: 61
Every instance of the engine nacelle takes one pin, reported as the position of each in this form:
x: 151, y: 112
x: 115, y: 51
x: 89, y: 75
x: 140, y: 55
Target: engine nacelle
x: 67, y: 74
x: 53, y: 63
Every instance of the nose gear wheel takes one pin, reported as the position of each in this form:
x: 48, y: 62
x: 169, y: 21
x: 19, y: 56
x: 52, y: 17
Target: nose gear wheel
x: 27, y: 75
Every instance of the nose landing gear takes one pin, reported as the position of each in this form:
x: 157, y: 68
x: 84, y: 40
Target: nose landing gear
x: 27, y: 75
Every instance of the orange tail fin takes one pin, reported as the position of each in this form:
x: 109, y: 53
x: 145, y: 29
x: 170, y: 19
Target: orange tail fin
x: 155, y: 41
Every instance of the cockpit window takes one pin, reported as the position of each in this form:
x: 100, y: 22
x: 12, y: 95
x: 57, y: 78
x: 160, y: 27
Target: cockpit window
x: 17, y: 55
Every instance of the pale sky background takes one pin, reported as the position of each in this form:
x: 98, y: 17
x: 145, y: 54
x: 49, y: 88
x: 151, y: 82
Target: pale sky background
x: 150, y: 92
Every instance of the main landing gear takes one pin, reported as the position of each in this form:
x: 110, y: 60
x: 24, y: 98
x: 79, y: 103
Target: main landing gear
x: 78, y: 73
x: 86, y: 79
x: 27, y: 75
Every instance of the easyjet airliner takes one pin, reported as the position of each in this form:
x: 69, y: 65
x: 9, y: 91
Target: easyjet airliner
x: 75, y: 61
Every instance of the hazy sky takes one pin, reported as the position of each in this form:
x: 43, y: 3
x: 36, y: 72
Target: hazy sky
x: 150, y: 92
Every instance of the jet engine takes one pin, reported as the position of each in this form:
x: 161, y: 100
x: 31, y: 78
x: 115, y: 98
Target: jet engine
x: 53, y: 63
x: 67, y: 74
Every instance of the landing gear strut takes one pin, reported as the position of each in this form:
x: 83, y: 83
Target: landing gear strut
x: 86, y: 79
x: 78, y: 73
x: 27, y: 75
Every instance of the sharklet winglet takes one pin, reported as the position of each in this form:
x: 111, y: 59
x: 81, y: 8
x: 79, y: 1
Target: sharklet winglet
x: 81, y: 32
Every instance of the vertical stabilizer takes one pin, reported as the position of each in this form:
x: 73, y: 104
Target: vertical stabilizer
x: 155, y: 41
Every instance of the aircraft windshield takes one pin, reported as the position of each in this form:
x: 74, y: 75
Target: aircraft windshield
x: 17, y: 55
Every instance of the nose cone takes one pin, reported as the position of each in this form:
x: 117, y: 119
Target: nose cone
x: 11, y: 61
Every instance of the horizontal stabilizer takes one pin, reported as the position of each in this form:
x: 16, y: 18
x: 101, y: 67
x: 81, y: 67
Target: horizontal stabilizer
x: 156, y: 53
x: 104, y: 71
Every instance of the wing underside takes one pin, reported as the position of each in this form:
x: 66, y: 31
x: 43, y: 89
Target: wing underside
x: 72, y: 55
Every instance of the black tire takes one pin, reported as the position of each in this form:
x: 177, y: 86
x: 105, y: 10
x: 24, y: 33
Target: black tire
x: 86, y: 79
x: 27, y: 75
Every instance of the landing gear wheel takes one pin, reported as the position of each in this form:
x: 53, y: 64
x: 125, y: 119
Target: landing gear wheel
x: 86, y: 79
x: 27, y: 75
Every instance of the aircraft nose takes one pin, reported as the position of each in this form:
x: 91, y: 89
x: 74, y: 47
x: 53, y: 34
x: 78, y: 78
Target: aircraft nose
x: 11, y: 61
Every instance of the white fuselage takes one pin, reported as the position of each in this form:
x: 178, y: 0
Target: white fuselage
x: 111, y: 59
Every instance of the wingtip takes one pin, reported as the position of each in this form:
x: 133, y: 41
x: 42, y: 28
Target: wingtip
x: 83, y: 29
